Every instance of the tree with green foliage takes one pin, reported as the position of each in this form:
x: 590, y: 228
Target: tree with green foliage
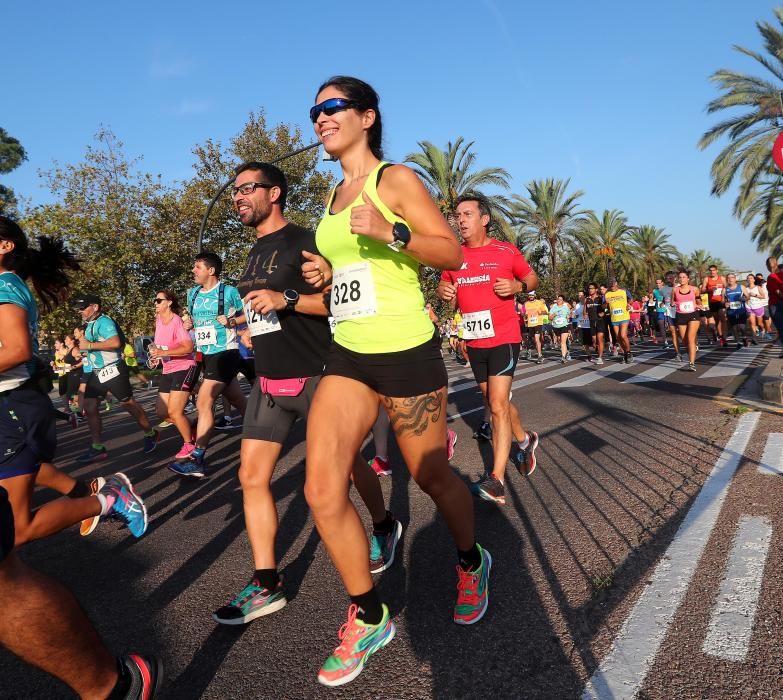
x: 650, y: 248
x: 550, y: 215
x: 608, y: 238
x: 449, y: 174
x: 751, y: 132
x: 12, y: 155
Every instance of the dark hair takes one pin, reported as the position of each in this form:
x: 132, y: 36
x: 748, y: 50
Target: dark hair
x: 681, y: 270
x: 47, y: 266
x: 364, y: 97
x: 173, y: 298
x: 481, y: 201
x: 712, y: 266
x: 211, y: 260
x: 272, y: 174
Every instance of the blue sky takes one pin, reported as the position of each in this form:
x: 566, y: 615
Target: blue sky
x: 610, y: 94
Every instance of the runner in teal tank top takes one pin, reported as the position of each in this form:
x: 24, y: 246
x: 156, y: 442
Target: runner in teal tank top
x: 379, y: 225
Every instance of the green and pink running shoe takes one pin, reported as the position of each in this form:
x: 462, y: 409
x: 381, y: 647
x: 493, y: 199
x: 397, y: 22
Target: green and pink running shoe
x: 473, y: 591
x: 358, y: 641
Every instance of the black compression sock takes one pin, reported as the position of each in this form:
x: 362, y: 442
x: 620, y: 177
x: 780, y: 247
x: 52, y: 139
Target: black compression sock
x: 267, y: 578
x: 370, y: 608
x: 384, y: 527
x: 470, y: 560
x: 79, y: 490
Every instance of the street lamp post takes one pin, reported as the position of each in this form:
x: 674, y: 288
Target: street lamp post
x: 228, y: 184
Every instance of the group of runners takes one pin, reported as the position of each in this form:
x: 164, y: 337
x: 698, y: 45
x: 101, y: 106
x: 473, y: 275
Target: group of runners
x: 380, y: 365
x: 608, y: 317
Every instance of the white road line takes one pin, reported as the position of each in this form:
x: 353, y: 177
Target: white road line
x: 731, y: 626
x: 605, y: 371
x: 663, y: 370
x: 772, y: 459
x: 734, y: 364
x: 622, y: 672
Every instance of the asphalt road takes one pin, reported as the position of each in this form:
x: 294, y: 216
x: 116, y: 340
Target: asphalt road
x: 602, y: 583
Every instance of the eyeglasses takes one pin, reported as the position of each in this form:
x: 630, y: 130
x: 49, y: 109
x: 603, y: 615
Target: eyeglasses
x: 330, y: 107
x: 160, y: 301
x: 250, y: 187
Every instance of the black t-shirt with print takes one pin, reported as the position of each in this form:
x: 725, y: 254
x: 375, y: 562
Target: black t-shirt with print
x: 299, y: 348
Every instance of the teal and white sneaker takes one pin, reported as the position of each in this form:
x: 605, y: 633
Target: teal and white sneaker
x: 124, y: 503
x: 358, y: 641
x: 382, y: 548
x: 251, y: 602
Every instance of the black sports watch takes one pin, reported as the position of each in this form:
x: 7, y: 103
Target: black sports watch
x: 402, y: 236
x: 291, y: 297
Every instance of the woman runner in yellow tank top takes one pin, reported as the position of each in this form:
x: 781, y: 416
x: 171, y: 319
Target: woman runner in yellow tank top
x: 379, y: 225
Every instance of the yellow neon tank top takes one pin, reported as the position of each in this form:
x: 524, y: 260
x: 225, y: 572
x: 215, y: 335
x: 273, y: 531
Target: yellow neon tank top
x: 376, y: 295
x: 618, y: 305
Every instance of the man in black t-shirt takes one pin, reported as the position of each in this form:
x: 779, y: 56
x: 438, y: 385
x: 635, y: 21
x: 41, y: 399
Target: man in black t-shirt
x: 289, y: 332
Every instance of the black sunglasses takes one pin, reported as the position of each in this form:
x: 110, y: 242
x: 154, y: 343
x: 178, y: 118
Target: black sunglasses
x: 160, y: 301
x: 330, y: 107
x: 250, y: 187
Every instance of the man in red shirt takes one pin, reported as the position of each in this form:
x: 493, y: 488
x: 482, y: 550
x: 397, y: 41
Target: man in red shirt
x: 714, y: 285
x: 775, y: 291
x: 484, y: 288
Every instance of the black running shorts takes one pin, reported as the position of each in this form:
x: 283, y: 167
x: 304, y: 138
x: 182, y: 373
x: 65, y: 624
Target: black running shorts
x: 7, y: 534
x: 222, y: 366
x: 560, y: 331
x: 119, y: 386
x: 414, y: 372
x: 172, y: 381
x: 270, y: 418
x: 27, y: 432
x: 685, y: 319
x: 494, y: 362
x: 716, y: 307
x: 587, y: 336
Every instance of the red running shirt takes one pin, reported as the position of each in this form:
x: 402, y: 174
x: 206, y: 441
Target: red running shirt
x: 482, y: 267
x: 775, y: 288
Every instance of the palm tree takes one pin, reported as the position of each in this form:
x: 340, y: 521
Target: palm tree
x: 752, y: 132
x: 449, y: 174
x: 551, y: 216
x: 763, y: 209
x: 651, y: 248
x: 608, y: 237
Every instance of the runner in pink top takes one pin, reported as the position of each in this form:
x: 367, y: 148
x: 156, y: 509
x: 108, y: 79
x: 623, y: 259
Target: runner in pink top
x: 687, y: 302
x: 173, y: 349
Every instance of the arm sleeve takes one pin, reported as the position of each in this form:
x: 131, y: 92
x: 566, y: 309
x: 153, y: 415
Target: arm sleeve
x: 448, y: 276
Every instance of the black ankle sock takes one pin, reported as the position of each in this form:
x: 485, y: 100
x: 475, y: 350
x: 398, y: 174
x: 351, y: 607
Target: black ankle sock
x: 122, y: 686
x: 369, y: 604
x: 470, y: 560
x: 79, y: 490
x: 384, y: 527
x: 267, y: 578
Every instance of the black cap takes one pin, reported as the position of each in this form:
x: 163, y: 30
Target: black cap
x: 86, y: 300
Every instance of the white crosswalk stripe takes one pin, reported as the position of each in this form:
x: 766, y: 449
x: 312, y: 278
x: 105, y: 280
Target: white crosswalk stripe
x: 607, y: 370
x: 772, y: 459
x: 663, y: 370
x: 734, y: 364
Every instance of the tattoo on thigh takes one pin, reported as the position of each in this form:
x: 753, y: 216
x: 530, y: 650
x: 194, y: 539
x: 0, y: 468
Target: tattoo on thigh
x: 414, y: 414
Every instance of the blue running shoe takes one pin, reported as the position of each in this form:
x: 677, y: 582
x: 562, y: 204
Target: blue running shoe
x: 151, y: 441
x: 192, y: 467
x: 125, y: 504
x: 382, y: 548
x: 93, y: 455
